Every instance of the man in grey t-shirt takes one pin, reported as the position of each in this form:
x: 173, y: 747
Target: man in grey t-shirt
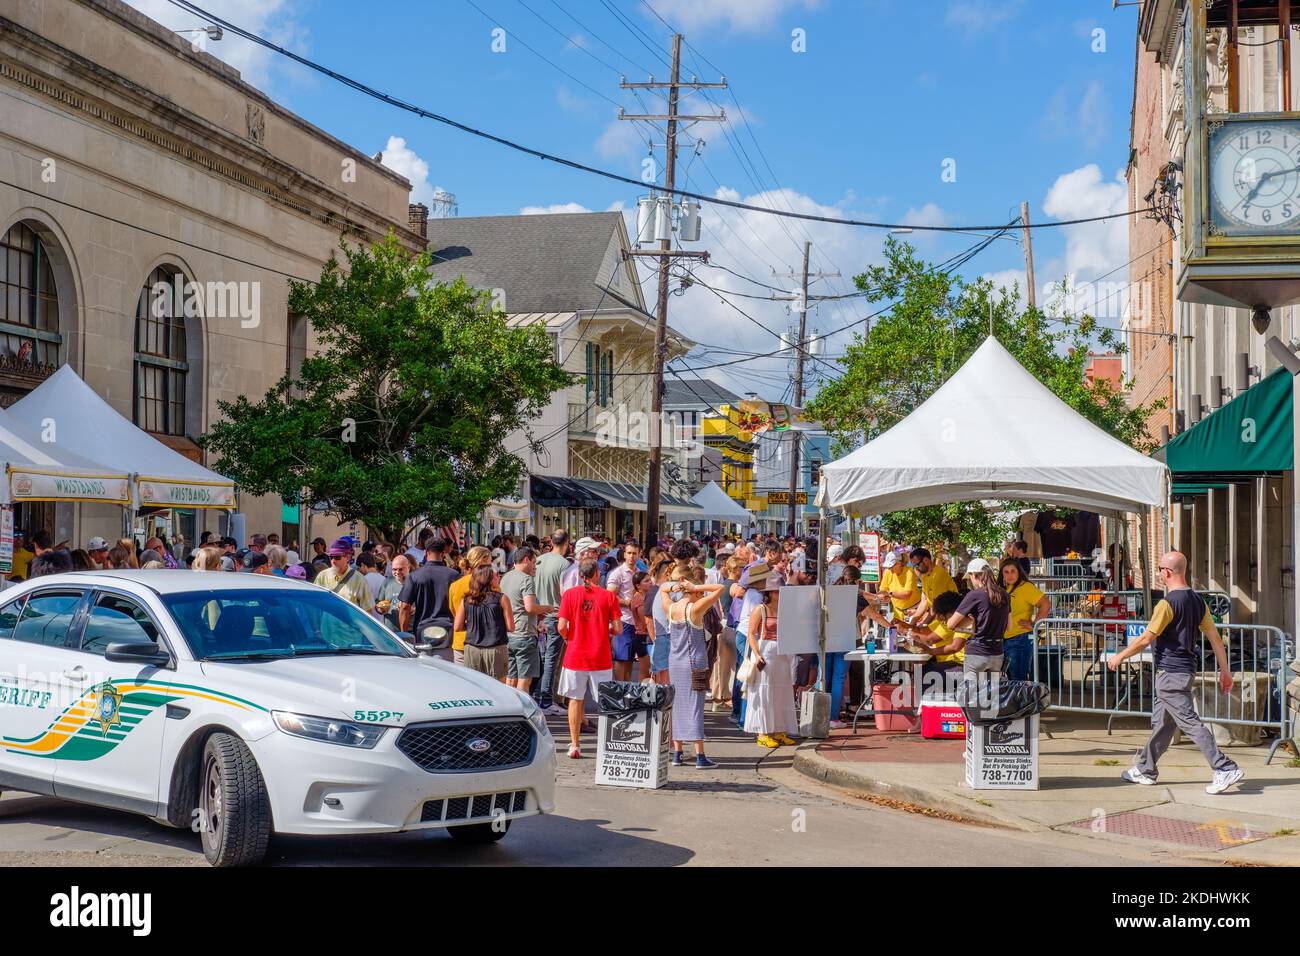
x: 551, y: 568
x: 524, y: 661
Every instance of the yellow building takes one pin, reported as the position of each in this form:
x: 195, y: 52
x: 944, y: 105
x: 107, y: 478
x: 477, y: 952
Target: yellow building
x: 735, y: 449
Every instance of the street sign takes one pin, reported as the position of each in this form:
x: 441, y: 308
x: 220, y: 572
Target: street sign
x: 783, y: 498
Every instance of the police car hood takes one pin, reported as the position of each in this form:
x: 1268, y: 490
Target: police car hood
x: 419, y: 688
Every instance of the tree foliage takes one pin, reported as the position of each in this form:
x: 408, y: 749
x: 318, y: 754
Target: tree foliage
x: 937, y: 321
x: 403, y: 411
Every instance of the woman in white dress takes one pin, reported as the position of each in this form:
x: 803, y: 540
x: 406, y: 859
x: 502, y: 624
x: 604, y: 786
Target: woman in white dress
x: 769, y: 708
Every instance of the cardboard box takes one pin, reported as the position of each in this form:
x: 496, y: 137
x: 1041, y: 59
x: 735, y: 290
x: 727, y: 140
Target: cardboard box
x: 631, y: 750
x: 1003, y: 756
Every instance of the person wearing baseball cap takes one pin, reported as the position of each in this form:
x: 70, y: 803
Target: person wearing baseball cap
x: 343, y: 579
x: 97, y: 548
x: 898, y: 584
x: 834, y: 563
x: 256, y: 562
x: 983, y: 612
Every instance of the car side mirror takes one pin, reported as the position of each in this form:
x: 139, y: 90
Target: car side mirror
x: 137, y: 652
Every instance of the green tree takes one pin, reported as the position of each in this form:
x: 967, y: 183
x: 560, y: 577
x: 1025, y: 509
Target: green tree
x: 404, y: 411
x: 936, y: 323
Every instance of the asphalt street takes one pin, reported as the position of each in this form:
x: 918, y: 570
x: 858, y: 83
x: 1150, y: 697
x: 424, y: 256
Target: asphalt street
x: 752, y: 810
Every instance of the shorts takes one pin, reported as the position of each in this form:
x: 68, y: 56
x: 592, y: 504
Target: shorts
x: 659, y: 652
x: 525, y: 658
x: 575, y: 684
x: 629, y: 645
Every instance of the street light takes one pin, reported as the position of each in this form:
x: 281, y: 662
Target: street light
x: 213, y: 31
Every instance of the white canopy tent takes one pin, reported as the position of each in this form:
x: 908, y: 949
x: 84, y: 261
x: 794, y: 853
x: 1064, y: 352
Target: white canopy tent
x: 715, y: 505
x: 993, y: 431
x: 160, y: 476
x: 39, y: 470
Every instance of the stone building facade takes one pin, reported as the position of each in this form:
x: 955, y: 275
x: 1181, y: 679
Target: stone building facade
x: 129, y: 162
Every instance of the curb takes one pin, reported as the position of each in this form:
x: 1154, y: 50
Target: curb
x: 812, y: 764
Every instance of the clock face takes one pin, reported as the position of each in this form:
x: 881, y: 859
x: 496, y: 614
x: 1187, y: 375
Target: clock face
x: 1255, y: 177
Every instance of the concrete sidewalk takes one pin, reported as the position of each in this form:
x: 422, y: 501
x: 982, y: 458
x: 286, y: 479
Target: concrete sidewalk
x: 1257, y: 822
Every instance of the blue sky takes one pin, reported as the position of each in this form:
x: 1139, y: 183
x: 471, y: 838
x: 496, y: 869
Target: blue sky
x: 1027, y: 98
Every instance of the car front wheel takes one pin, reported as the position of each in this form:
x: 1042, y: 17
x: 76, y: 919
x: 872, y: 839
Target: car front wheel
x: 234, y: 809
x: 479, y: 833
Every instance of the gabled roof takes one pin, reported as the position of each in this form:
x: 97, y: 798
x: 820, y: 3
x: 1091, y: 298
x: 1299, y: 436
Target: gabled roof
x: 543, y: 263
x: 696, y: 393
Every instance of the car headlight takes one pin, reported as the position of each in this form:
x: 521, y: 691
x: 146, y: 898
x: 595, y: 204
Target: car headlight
x: 535, y: 715
x: 329, y: 730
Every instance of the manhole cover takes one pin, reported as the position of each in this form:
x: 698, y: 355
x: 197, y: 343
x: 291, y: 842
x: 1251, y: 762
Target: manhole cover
x: 1214, y: 835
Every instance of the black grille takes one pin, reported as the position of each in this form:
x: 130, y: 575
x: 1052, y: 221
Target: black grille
x: 445, y: 748
x: 479, y: 806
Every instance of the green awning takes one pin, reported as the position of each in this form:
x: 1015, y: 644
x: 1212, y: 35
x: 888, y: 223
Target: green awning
x: 1249, y: 435
x: 1192, y: 488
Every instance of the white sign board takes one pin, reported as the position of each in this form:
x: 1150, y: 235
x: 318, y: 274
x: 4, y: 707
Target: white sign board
x: 631, y: 750
x: 156, y: 493
x: 1003, y: 756
x: 799, y: 614
x: 38, y: 486
x: 871, y: 548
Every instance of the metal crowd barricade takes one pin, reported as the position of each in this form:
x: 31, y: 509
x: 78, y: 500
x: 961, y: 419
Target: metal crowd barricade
x: 1084, y: 602
x: 1071, y: 659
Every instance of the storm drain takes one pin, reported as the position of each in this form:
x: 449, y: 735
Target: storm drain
x: 1215, y: 835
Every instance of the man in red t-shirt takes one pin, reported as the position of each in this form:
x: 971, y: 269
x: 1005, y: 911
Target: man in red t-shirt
x: 588, y: 618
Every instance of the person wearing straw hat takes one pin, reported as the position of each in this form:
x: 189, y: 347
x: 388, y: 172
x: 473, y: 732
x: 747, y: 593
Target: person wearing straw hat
x: 769, y: 709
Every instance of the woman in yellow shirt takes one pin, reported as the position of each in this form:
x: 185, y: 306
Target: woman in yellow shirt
x: 947, y: 647
x: 898, y: 585
x: 1028, y: 606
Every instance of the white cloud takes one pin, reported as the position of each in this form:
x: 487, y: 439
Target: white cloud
x: 977, y: 15
x: 755, y: 244
x: 1085, y: 120
x: 620, y: 140
x: 400, y: 158
x: 740, y: 15
x: 1009, y: 279
x: 273, y: 19
x: 552, y: 209
x: 1092, y: 250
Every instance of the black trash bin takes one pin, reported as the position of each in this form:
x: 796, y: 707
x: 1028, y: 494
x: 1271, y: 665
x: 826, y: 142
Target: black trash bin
x: 632, y: 750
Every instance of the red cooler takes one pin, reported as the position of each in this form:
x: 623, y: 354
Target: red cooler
x: 942, y: 720
x: 896, y: 698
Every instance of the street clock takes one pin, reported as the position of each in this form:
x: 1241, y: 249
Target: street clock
x: 1240, y: 179
x: 1254, y: 177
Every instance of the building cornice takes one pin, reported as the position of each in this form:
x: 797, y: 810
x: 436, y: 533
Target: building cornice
x: 109, y: 99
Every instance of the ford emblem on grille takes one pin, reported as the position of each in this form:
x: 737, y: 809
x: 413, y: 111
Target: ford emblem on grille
x: 478, y: 745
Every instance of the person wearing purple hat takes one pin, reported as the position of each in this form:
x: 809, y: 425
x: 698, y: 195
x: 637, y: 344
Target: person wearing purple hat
x: 343, y: 579
x: 297, y: 572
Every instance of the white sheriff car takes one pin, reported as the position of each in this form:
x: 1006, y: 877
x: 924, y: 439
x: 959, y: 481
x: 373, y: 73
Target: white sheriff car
x: 242, y: 705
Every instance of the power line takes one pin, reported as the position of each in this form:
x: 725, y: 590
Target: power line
x: 593, y: 170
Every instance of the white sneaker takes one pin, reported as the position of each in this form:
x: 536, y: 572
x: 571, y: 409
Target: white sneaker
x: 1133, y: 775
x: 838, y: 725
x: 555, y: 710
x: 1223, y: 779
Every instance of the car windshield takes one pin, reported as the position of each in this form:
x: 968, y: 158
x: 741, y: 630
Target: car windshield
x: 259, y: 624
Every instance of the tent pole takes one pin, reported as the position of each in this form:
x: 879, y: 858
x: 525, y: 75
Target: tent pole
x: 823, y: 594
x: 1142, y: 555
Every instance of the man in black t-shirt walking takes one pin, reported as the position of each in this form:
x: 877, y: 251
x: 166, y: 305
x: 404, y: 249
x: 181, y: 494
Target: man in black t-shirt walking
x: 423, y: 602
x: 1175, y: 630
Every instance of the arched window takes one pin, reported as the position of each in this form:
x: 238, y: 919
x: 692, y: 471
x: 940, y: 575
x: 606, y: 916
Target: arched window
x: 160, y: 361
x: 29, y: 300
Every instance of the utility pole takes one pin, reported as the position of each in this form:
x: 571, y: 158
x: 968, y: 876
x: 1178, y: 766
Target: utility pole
x: 796, y: 436
x: 1029, y: 254
x: 665, y: 256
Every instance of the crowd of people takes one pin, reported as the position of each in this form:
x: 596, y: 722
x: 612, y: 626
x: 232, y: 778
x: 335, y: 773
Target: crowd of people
x: 555, y: 617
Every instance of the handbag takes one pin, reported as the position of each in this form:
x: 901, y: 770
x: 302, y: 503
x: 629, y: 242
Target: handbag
x: 700, y: 679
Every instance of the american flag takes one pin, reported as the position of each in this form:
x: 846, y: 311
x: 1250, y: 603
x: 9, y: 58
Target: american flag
x: 454, y: 533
